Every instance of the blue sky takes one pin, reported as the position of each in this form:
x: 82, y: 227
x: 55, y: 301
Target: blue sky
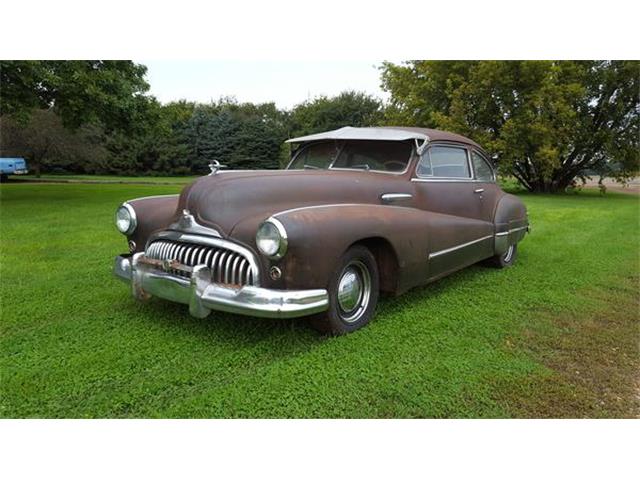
x: 284, y: 82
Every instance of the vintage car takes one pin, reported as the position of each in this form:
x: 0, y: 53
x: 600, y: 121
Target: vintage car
x: 358, y: 211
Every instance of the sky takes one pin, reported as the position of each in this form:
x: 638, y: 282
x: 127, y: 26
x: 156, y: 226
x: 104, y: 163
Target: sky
x: 286, y: 83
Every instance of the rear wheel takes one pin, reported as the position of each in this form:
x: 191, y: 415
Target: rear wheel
x: 353, y: 293
x: 4, y: 177
x: 506, y: 259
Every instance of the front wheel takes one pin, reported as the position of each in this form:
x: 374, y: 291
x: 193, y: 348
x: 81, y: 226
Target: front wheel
x: 353, y: 293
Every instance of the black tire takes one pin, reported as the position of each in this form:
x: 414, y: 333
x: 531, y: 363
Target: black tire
x: 357, y: 267
x: 4, y: 177
x: 506, y: 259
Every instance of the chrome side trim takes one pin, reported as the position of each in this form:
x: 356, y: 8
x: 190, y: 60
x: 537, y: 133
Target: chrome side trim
x: 504, y: 239
x: 309, y: 207
x: 202, y: 295
x: 154, y: 196
x: 513, y: 230
x: 186, y: 237
x: 447, y: 179
x: 458, y: 247
x: 297, y: 209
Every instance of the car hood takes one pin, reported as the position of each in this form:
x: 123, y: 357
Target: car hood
x: 226, y: 198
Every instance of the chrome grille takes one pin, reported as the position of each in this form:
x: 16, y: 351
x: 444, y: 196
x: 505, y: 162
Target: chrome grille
x: 226, y: 265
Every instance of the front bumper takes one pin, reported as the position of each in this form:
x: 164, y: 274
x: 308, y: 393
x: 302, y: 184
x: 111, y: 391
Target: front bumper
x: 202, y: 295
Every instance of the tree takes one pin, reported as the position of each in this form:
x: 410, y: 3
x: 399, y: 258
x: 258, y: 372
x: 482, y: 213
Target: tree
x: 156, y: 146
x: 238, y: 135
x: 546, y: 122
x: 44, y: 141
x: 110, y: 92
x: 350, y: 108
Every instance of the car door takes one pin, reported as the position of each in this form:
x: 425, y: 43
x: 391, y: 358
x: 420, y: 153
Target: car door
x: 458, y: 235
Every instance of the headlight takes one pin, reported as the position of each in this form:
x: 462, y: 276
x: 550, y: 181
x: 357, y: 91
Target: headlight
x: 126, y: 221
x: 271, y: 238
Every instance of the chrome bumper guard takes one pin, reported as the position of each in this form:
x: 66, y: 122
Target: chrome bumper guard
x: 202, y: 295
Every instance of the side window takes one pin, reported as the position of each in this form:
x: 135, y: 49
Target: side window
x: 424, y: 166
x: 447, y: 162
x: 481, y: 167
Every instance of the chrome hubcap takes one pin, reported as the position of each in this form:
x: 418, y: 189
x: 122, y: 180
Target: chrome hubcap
x: 354, y: 291
x: 508, y: 254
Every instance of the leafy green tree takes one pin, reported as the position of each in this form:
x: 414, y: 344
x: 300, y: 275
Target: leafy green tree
x: 46, y: 143
x: 546, y: 122
x: 156, y: 146
x: 238, y: 135
x: 109, y: 92
x: 355, y: 109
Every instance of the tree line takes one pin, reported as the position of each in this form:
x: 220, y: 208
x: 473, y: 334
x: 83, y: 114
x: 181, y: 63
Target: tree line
x: 547, y: 123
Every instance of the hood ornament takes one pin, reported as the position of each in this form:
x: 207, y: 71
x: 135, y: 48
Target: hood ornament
x: 215, y: 165
x: 186, y: 219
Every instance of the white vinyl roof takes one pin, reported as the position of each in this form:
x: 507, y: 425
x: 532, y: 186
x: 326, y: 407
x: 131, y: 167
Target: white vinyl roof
x: 363, y: 133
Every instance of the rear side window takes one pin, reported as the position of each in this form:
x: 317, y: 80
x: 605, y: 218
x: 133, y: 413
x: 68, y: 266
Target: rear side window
x: 481, y: 167
x: 445, y: 162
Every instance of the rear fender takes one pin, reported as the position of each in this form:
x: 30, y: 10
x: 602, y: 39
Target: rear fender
x: 512, y: 222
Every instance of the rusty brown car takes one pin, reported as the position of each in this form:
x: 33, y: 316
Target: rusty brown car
x: 358, y: 211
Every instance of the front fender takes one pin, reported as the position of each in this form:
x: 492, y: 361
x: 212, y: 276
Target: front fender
x: 318, y: 236
x: 153, y: 213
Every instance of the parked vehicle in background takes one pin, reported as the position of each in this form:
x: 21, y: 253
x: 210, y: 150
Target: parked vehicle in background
x: 358, y: 211
x: 12, y: 166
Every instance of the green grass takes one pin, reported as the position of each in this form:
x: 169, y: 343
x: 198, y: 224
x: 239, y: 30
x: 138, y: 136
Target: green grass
x: 480, y: 343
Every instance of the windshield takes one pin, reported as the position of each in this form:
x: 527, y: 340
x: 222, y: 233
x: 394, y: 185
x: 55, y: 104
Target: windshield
x: 385, y: 156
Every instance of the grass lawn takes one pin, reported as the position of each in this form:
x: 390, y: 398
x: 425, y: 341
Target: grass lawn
x: 554, y: 336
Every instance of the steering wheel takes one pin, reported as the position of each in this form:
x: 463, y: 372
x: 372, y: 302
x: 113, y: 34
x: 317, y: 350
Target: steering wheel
x: 396, y: 163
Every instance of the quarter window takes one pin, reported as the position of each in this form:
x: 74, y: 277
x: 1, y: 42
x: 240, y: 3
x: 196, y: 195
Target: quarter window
x: 481, y: 167
x: 446, y: 162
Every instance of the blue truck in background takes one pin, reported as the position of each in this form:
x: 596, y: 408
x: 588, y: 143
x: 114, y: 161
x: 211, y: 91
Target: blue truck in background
x: 12, y: 166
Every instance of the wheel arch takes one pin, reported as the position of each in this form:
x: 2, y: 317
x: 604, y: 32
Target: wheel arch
x: 386, y: 260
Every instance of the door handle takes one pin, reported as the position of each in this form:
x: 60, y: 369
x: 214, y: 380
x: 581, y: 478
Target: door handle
x: 478, y: 190
x: 389, y: 198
